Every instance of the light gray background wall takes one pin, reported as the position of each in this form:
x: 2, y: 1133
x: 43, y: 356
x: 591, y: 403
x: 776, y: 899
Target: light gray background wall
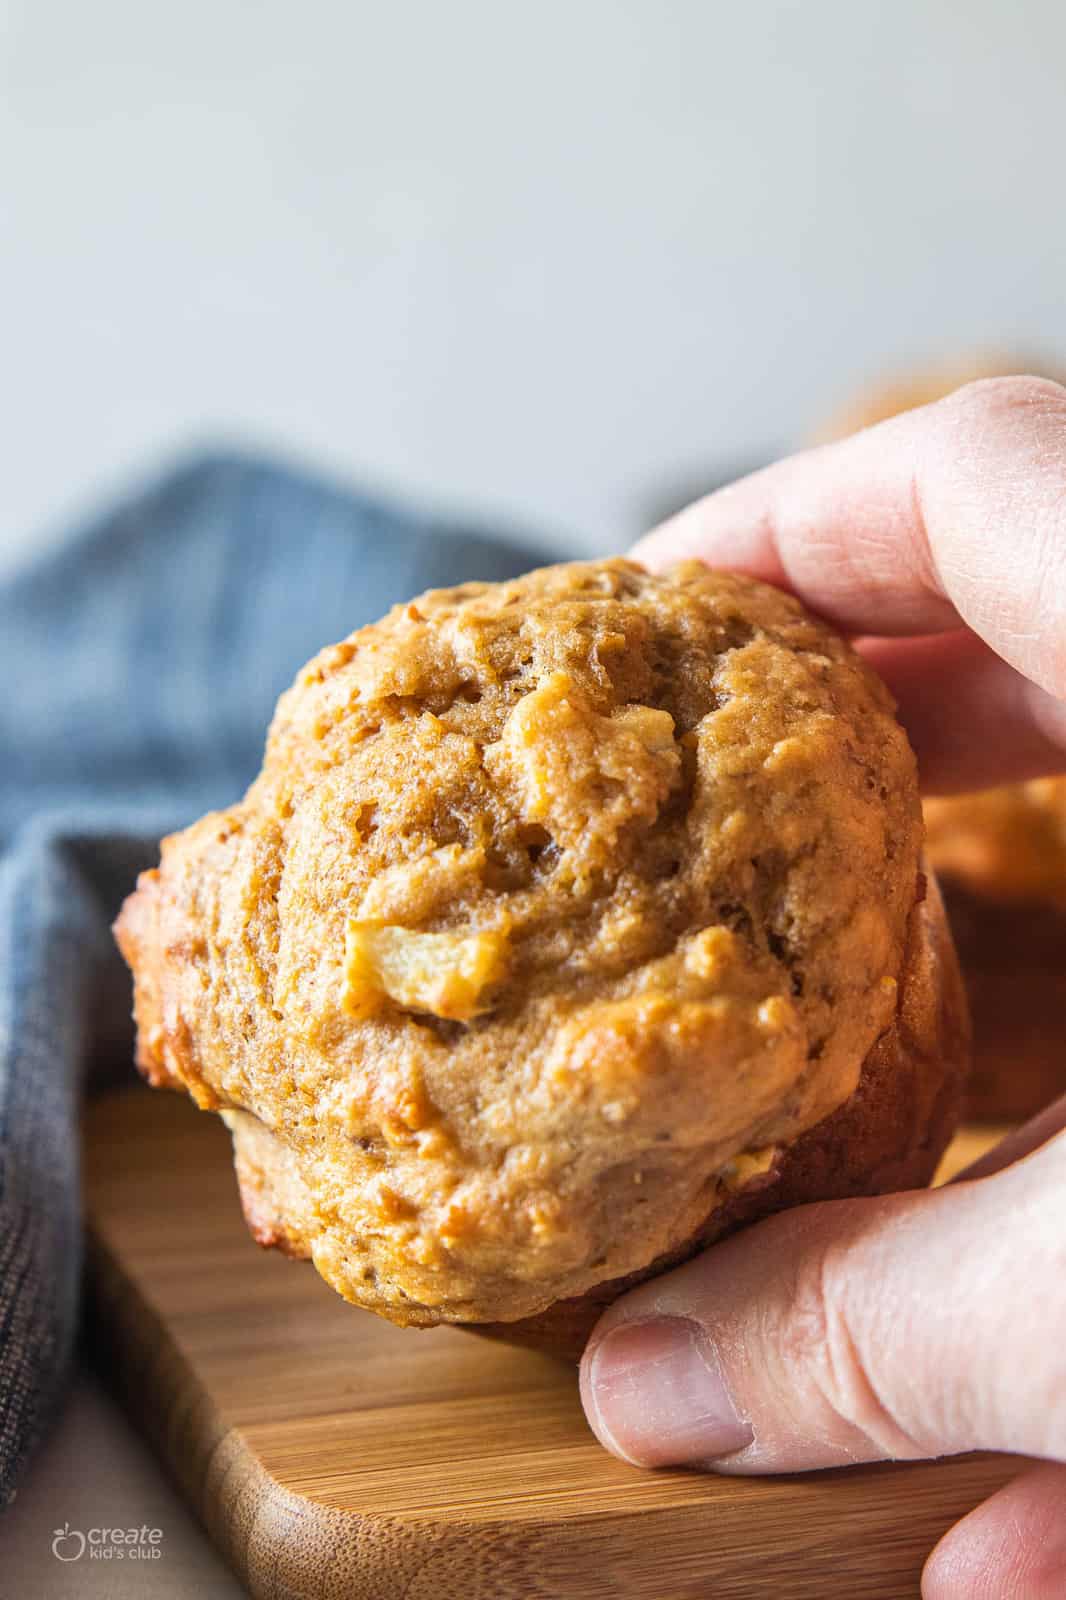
x: 539, y: 260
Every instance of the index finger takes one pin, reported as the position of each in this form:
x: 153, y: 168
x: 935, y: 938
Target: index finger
x: 952, y: 514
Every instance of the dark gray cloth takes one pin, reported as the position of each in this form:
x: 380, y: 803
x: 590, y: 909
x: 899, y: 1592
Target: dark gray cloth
x: 141, y: 662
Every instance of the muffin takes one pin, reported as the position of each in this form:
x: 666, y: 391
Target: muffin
x: 571, y: 923
x: 1001, y: 856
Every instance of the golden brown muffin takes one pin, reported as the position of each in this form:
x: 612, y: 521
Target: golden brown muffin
x: 1002, y: 855
x: 570, y: 921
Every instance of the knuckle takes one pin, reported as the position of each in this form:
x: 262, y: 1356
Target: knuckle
x: 808, y: 1315
x: 995, y: 400
x: 831, y: 1343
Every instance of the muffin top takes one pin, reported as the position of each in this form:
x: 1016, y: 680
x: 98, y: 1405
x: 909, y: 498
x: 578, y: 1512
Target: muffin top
x: 1004, y: 844
x: 557, y: 904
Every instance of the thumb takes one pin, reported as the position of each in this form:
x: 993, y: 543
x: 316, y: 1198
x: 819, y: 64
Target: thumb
x: 907, y: 1325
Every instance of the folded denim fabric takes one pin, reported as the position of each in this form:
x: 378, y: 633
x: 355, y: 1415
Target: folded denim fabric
x: 141, y: 661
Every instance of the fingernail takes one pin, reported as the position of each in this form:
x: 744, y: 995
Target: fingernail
x: 656, y: 1397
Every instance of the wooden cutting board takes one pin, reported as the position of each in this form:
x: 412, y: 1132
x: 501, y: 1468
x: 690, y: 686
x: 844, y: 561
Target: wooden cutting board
x: 330, y: 1454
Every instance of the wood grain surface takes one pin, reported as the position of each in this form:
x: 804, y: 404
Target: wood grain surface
x: 330, y: 1454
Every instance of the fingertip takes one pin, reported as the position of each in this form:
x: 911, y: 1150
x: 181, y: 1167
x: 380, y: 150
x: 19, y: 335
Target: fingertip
x: 587, y: 1390
x: 729, y: 528
x: 682, y: 538
x: 1011, y: 1547
x: 647, y: 548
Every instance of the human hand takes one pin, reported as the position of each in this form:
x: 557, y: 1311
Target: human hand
x: 932, y: 1322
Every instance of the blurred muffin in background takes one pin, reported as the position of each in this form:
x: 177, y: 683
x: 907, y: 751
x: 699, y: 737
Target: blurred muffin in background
x: 1000, y: 855
x: 1001, y: 859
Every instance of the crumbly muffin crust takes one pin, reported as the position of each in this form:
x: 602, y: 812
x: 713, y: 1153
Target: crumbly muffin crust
x: 886, y: 1136
x: 555, y: 901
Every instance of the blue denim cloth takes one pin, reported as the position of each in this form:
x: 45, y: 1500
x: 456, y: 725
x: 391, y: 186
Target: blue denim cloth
x: 140, y: 664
